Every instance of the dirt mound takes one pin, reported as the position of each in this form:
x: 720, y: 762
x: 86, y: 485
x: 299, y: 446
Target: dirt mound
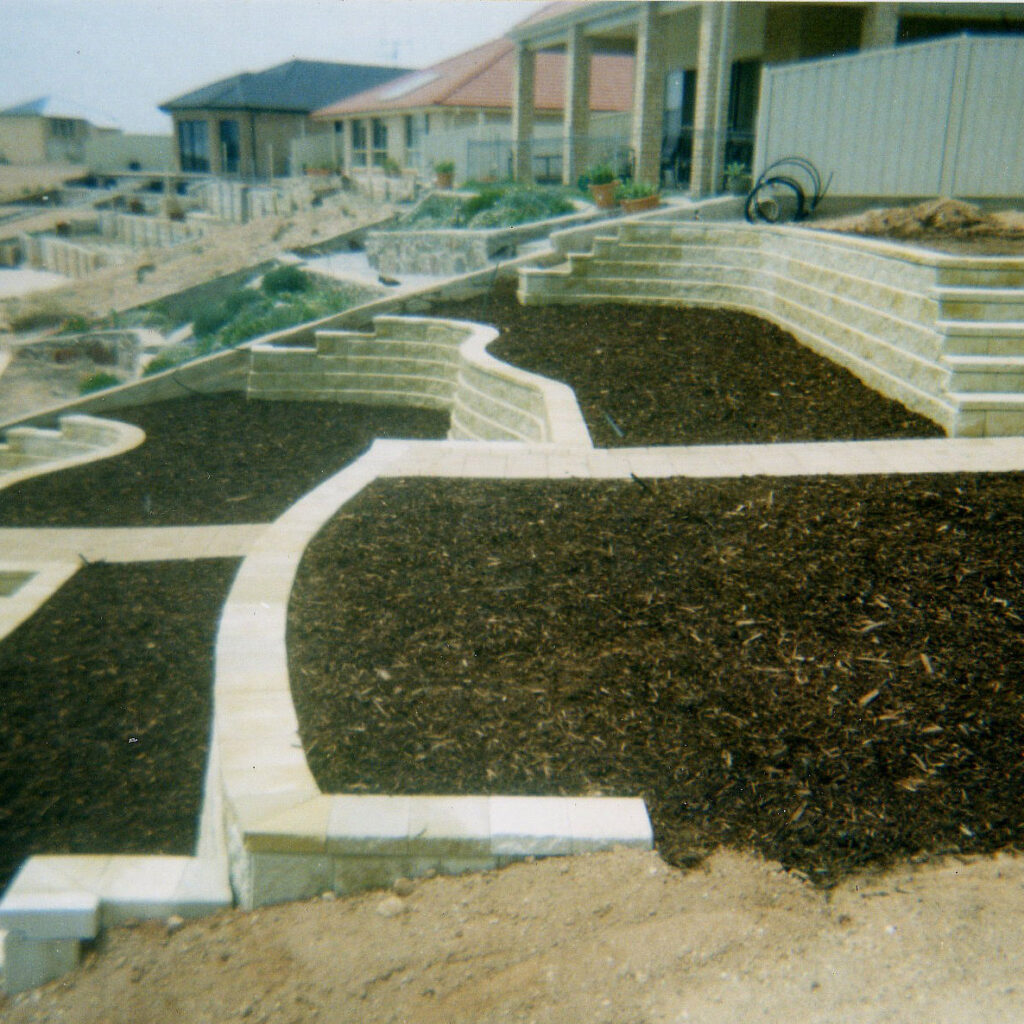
x: 945, y: 223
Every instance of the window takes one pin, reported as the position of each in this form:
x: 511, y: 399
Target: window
x: 62, y: 128
x: 194, y: 146
x: 359, y: 143
x: 229, y: 147
x: 380, y: 141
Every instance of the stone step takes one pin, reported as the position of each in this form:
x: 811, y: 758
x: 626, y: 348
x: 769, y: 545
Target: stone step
x: 985, y: 374
x: 993, y: 304
x: 983, y: 272
x: 982, y: 337
x: 47, y: 444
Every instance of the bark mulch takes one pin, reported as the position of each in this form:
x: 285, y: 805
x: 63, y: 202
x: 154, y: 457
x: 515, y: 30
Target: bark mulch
x: 828, y: 671
x: 646, y: 375
x: 106, y: 696
x: 217, y: 459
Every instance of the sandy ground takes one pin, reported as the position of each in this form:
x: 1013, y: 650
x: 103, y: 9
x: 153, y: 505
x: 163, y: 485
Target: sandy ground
x: 617, y: 938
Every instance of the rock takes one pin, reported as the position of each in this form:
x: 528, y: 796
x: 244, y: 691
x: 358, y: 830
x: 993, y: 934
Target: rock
x: 175, y: 923
x: 404, y: 887
x: 391, y: 906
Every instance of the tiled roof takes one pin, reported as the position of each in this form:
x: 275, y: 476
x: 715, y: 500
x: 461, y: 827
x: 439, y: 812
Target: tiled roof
x: 484, y: 77
x: 299, y: 85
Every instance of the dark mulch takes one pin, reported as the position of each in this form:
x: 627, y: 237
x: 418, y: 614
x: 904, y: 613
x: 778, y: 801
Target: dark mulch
x: 106, y: 697
x: 828, y: 671
x: 217, y: 459
x: 648, y: 375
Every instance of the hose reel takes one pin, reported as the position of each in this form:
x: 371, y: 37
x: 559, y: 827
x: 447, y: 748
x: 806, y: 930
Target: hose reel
x: 787, y: 190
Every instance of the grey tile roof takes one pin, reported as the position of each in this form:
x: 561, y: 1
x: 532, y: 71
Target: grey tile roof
x: 299, y: 85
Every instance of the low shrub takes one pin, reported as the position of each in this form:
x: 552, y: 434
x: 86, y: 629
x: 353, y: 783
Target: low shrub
x: 97, y: 382
x: 285, y: 279
x: 169, y: 359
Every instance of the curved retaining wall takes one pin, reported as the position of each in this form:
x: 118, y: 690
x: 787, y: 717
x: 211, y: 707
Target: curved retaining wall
x: 32, y: 451
x: 942, y: 334
x: 286, y: 839
x: 425, y: 362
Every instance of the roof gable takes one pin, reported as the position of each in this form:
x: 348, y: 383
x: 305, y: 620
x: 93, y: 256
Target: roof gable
x: 298, y: 85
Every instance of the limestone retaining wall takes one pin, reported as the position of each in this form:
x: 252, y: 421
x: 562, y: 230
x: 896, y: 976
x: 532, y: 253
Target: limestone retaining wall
x: 425, y: 362
x: 445, y: 252
x: 942, y: 334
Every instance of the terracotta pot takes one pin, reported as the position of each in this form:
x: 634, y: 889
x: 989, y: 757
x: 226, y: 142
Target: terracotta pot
x: 444, y: 179
x: 604, y: 195
x: 641, y: 203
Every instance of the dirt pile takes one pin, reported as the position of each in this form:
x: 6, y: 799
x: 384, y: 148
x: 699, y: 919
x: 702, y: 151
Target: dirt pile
x: 945, y: 223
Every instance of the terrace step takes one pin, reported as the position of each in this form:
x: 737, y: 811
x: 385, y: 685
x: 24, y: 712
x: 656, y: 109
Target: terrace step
x: 982, y: 337
x: 999, y: 305
x: 985, y: 374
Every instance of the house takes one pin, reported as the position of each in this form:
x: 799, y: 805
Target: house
x: 698, y: 68
x: 245, y: 124
x: 49, y: 130
x: 461, y: 110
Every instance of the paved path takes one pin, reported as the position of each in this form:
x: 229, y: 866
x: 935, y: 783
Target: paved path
x: 127, y: 544
x: 939, y: 455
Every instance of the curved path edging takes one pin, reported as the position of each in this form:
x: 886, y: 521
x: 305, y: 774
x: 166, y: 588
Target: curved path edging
x: 286, y: 839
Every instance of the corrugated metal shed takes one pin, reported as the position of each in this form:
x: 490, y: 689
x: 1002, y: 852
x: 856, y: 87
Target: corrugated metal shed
x: 935, y: 118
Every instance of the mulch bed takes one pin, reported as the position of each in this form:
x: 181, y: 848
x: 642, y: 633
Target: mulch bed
x: 829, y: 671
x: 106, y: 712
x: 646, y: 375
x: 218, y: 459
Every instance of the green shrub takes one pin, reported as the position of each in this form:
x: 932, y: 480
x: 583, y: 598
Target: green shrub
x: 285, y: 279
x: 636, y: 190
x: 168, y: 360
x: 600, y: 174
x: 521, y: 205
x: 97, y: 382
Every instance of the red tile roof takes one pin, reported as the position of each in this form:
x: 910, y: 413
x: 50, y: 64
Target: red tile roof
x: 484, y: 76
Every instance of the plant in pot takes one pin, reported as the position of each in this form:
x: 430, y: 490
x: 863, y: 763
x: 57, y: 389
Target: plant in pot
x: 602, y: 182
x: 392, y: 168
x: 737, y: 178
x: 445, y: 172
x: 638, y: 196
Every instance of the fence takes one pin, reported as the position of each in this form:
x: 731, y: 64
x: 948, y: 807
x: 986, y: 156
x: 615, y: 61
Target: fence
x: 493, y: 158
x: 935, y: 118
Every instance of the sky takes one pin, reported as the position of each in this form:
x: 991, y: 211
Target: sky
x: 122, y: 58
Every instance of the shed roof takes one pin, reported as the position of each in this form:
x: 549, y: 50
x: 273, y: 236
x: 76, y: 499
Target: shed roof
x: 298, y: 86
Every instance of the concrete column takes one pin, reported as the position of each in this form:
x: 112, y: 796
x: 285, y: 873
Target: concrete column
x: 346, y: 133
x: 714, y: 63
x: 522, y: 114
x: 648, y: 96
x: 576, y: 123
x: 880, y: 26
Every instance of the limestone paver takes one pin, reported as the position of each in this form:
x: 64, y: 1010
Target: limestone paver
x: 127, y: 544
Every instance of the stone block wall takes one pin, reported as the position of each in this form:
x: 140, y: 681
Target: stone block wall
x: 942, y: 334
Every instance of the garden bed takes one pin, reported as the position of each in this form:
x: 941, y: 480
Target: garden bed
x: 107, y: 700
x: 216, y: 459
x: 646, y: 375
x: 826, y: 671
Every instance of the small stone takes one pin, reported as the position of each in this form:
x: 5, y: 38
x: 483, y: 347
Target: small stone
x: 404, y: 887
x: 391, y: 906
x: 329, y: 896
x: 175, y: 923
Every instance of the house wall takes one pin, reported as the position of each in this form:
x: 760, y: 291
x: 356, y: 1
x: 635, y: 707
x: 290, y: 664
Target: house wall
x: 265, y: 139
x: 936, y: 118
x: 109, y: 153
x: 23, y: 139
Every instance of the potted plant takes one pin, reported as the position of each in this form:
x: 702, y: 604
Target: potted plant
x: 392, y: 168
x: 445, y: 171
x: 602, y: 182
x: 737, y: 178
x: 638, y: 196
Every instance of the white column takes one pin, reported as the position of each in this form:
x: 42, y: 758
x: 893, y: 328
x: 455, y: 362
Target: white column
x: 648, y: 97
x: 714, y: 63
x: 576, y: 120
x: 522, y: 114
